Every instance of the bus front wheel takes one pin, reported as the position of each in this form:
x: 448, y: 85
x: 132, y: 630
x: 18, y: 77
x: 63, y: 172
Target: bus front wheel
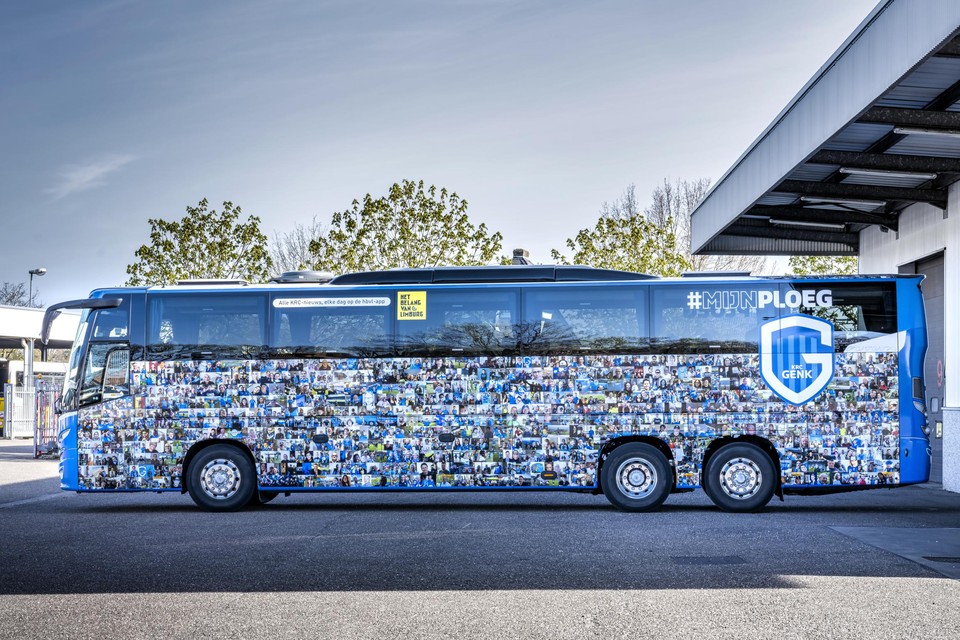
x: 222, y: 478
x: 636, y: 477
x: 740, y: 478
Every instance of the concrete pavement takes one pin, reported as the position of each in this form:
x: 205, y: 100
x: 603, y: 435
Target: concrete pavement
x: 21, y: 476
x: 469, y: 565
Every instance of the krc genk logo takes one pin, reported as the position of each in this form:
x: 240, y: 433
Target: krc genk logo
x: 796, y: 356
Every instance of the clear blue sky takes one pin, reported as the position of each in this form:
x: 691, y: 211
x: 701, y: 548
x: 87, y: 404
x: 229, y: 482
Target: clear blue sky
x: 535, y: 112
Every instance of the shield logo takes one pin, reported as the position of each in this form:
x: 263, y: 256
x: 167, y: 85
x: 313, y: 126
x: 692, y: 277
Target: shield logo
x: 796, y: 356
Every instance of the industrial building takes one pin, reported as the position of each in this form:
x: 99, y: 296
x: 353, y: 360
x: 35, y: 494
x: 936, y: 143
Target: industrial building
x: 865, y: 161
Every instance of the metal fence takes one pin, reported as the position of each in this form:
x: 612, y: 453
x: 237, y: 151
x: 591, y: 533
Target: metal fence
x: 29, y: 413
x: 19, y: 407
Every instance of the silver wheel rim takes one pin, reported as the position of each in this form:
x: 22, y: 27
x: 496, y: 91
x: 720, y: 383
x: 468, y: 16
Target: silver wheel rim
x: 220, y: 479
x: 740, y: 478
x: 636, y: 478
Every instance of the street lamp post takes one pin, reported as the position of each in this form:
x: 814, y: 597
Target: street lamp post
x: 28, y: 343
x: 39, y: 271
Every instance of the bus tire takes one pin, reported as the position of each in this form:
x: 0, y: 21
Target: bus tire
x: 740, y: 478
x: 222, y: 478
x: 636, y: 477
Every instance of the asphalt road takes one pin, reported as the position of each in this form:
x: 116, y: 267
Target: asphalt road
x: 465, y: 565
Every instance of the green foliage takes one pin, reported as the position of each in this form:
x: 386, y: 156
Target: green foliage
x: 204, y: 244
x: 624, y: 238
x: 412, y: 226
x: 823, y: 265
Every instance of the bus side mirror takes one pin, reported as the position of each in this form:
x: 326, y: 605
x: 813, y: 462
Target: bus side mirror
x: 116, y: 374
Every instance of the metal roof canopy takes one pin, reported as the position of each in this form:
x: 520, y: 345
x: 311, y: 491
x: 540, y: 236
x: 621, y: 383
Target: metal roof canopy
x: 23, y: 323
x: 875, y: 130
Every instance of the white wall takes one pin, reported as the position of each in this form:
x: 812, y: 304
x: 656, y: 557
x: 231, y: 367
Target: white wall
x: 24, y: 322
x: 924, y: 231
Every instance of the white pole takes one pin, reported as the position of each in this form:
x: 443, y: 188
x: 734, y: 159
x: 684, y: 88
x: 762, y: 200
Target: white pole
x: 27, y: 362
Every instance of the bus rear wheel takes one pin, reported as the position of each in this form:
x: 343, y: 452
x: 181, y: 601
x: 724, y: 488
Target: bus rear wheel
x: 636, y: 477
x: 740, y: 478
x: 222, y: 478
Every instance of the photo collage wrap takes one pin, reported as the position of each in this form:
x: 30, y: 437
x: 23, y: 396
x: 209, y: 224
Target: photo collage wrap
x: 536, y: 421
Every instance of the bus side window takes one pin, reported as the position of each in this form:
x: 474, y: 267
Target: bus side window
x: 469, y: 321
x: 330, y: 330
x: 93, y: 371
x: 600, y: 319
x: 112, y: 323
x: 711, y: 318
x: 116, y: 377
x: 858, y: 312
x: 233, y: 323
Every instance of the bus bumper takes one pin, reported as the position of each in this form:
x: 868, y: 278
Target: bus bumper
x: 915, y: 458
x: 69, y: 461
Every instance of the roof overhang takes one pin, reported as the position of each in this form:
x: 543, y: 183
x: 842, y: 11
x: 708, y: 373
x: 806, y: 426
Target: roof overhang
x: 23, y: 323
x: 874, y: 131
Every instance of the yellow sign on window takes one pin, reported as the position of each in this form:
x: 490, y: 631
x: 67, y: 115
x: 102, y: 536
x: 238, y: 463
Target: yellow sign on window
x: 412, y: 305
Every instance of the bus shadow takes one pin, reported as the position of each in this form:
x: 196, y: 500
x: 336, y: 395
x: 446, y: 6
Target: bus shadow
x: 134, y: 544
x: 466, y: 502
x: 13, y: 494
x: 304, y: 508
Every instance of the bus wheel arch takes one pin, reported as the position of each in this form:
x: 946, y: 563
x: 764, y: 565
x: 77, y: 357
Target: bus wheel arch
x: 751, y: 458
x: 231, y: 462
x: 636, y: 473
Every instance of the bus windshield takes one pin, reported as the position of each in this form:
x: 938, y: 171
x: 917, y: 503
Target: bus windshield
x: 69, y: 396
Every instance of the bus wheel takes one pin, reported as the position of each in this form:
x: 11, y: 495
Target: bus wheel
x: 740, y: 478
x: 222, y: 479
x: 636, y: 477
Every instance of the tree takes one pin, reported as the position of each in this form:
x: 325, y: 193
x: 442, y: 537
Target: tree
x: 291, y: 251
x: 624, y: 238
x: 412, y: 226
x: 15, y: 294
x: 675, y: 202
x: 823, y: 265
x: 840, y: 315
x: 204, y: 244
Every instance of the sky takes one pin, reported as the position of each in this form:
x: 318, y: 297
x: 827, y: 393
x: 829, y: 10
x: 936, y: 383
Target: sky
x: 535, y: 112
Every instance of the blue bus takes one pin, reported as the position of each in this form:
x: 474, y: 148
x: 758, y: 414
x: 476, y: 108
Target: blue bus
x: 556, y: 378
